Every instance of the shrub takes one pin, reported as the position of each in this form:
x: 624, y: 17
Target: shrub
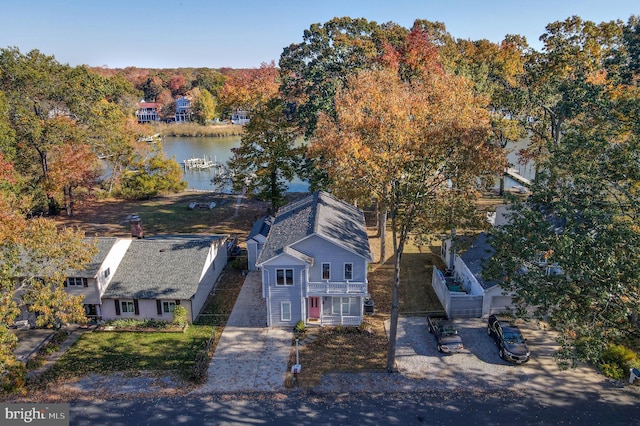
x: 240, y: 263
x: 180, y: 316
x: 300, y: 327
x: 616, y: 361
x: 12, y: 377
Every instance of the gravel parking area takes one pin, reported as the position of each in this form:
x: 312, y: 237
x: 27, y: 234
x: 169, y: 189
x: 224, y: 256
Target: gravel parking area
x: 478, y: 367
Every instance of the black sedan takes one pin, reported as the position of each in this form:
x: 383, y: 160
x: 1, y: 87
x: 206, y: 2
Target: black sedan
x: 511, y: 345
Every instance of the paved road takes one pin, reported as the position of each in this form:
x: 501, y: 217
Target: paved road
x: 249, y: 356
x: 461, y: 407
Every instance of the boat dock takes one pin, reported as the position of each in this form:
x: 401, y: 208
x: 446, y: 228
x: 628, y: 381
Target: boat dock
x: 515, y: 175
x: 200, y: 163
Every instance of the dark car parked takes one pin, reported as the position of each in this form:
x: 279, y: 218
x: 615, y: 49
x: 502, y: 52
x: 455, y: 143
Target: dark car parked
x: 511, y: 345
x: 449, y: 341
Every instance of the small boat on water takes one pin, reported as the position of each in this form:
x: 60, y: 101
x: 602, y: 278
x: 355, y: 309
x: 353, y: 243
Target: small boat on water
x: 150, y: 139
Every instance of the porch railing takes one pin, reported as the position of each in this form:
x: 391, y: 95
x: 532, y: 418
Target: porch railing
x: 336, y: 288
x: 348, y: 320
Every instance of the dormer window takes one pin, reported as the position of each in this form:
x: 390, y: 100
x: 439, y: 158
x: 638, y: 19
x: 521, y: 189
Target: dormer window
x: 76, y: 282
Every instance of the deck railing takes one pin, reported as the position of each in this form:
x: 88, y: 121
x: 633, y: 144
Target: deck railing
x: 336, y: 288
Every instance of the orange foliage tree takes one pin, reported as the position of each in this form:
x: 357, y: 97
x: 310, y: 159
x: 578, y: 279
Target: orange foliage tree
x: 412, y: 146
x: 34, y: 258
x: 248, y: 89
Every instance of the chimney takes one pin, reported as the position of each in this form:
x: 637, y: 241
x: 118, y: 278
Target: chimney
x: 136, y: 226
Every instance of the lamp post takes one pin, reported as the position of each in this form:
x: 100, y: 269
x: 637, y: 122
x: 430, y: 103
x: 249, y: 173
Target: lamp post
x: 296, y: 368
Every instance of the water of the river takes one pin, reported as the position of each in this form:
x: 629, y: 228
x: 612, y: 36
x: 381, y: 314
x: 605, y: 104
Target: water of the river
x: 211, y: 148
x: 219, y: 149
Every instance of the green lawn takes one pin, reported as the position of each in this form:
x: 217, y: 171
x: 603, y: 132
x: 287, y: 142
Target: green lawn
x: 106, y: 352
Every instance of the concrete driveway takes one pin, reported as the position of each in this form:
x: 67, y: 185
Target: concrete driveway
x: 29, y: 341
x: 249, y: 356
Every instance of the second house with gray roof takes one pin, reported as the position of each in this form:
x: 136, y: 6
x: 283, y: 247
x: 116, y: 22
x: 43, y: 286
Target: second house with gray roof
x: 155, y: 275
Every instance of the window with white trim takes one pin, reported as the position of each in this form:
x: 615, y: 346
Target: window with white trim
x: 326, y: 271
x: 168, y: 307
x: 348, y: 271
x: 285, y: 311
x: 127, y: 306
x: 284, y: 276
x: 107, y: 272
x: 340, y: 305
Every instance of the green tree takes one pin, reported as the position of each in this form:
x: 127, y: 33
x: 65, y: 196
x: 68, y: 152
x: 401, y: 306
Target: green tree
x: 150, y: 174
x: 267, y: 157
x: 208, y: 79
x: 329, y: 53
x: 203, y: 106
x: 565, y: 81
x: 582, y: 219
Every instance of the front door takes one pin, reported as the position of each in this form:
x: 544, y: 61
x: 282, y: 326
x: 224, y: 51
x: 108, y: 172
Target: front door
x: 314, y: 307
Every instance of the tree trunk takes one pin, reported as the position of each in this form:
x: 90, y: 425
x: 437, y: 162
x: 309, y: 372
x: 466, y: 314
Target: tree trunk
x: 72, y: 202
x: 395, y: 305
x: 382, y: 231
x: 502, y: 177
x: 67, y: 197
x: 452, y: 256
x: 377, y: 216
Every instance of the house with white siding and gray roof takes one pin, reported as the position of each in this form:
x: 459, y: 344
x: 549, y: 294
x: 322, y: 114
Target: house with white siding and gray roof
x: 92, y: 281
x: 313, y: 263
x: 158, y: 273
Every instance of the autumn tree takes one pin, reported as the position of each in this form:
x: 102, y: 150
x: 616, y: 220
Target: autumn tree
x: 34, y: 257
x: 50, y: 105
x: 267, y: 157
x: 407, y: 144
x: 497, y: 71
x: 248, y: 89
x: 74, y: 165
x: 178, y: 85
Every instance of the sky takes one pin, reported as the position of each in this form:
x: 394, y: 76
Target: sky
x: 247, y: 33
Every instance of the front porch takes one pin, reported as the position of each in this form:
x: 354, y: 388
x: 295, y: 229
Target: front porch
x: 344, y: 309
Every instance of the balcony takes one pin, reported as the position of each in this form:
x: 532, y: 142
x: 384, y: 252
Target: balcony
x: 321, y: 288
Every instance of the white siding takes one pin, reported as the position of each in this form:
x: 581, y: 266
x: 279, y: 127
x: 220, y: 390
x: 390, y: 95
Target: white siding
x: 148, y: 309
x: 216, y: 261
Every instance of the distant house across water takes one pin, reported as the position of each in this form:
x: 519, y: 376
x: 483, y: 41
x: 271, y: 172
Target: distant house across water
x: 148, y: 112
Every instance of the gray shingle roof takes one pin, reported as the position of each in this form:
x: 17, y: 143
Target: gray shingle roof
x: 104, y: 245
x: 322, y: 214
x: 261, y: 227
x: 476, y: 255
x: 160, y: 268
